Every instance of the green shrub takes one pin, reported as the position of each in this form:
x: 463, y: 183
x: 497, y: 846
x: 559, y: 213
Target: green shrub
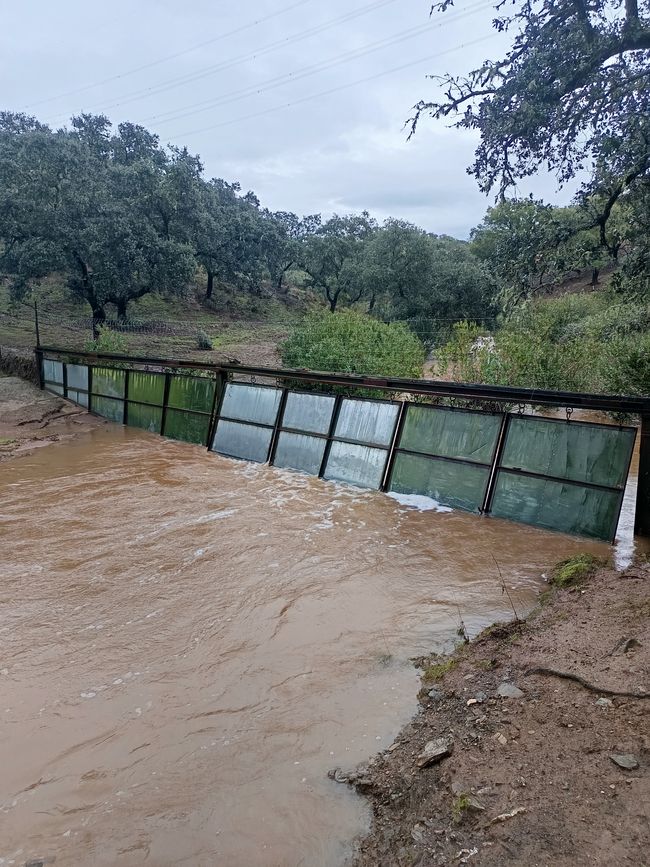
x: 351, y: 342
x: 589, y: 342
x: 570, y: 572
x: 203, y: 340
x: 107, y: 341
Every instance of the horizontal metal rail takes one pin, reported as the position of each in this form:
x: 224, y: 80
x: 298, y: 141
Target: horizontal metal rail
x: 435, y: 388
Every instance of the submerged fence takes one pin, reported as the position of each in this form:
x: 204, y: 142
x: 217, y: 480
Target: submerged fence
x: 558, y: 474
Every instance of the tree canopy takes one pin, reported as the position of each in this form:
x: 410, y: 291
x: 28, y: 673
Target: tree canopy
x: 572, y: 94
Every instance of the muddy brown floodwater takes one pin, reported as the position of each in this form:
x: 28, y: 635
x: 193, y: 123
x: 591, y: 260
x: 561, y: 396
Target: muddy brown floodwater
x: 189, y: 643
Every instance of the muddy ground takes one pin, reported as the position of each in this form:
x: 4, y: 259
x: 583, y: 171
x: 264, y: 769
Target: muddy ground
x: 31, y: 418
x: 530, y: 779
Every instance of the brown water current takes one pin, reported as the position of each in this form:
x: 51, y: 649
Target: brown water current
x: 189, y: 643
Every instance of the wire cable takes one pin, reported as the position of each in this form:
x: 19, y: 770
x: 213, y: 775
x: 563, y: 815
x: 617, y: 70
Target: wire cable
x: 331, y: 90
x: 290, y: 77
x: 169, y: 57
x: 179, y: 81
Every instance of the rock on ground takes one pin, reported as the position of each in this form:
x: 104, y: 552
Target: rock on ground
x: 554, y: 768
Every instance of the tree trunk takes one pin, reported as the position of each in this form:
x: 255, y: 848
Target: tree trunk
x: 333, y: 300
x: 121, y: 305
x: 594, y: 276
x: 371, y: 303
x: 210, y: 286
x: 99, y: 317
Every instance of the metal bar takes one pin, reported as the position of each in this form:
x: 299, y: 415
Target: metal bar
x: 65, y: 379
x: 278, y: 422
x: 125, y: 413
x: 452, y: 460
x: 470, y: 391
x: 513, y: 471
x: 330, y: 435
x: 392, y: 449
x: 642, y: 510
x: 38, y: 355
x: 494, y: 465
x: 221, y: 381
x: 163, y: 419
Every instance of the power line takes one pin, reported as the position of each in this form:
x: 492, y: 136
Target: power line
x: 169, y: 57
x: 340, y: 87
x: 286, y: 78
x: 179, y: 81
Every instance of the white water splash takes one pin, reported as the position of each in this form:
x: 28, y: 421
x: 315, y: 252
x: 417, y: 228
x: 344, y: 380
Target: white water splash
x: 417, y: 501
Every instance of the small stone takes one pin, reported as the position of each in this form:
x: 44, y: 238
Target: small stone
x: 474, y: 804
x: 625, y: 760
x: 434, y: 751
x: 393, y: 746
x: 471, y: 701
x: 509, y: 690
x: 480, y: 697
x: 435, y: 694
x: 502, y: 739
x: 604, y: 702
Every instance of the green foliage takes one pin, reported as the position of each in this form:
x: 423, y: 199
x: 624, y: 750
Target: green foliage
x: 460, y: 806
x: 587, y: 342
x: 107, y: 340
x: 332, y: 257
x: 203, y: 340
x: 351, y: 342
x: 570, y: 572
x: 438, y: 670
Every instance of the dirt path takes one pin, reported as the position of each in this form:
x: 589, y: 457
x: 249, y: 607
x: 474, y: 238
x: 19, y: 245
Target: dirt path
x: 31, y: 418
x: 530, y: 779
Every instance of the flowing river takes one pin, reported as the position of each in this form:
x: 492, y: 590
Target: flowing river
x: 189, y: 643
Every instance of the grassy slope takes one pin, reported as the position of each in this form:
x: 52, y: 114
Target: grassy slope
x: 237, y: 323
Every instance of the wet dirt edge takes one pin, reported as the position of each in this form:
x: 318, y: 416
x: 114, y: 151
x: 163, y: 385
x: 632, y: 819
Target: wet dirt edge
x: 522, y: 751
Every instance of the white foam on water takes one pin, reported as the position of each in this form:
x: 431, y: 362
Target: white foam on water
x: 419, y: 502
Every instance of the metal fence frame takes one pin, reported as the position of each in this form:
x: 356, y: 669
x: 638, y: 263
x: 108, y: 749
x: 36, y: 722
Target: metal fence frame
x: 500, y: 396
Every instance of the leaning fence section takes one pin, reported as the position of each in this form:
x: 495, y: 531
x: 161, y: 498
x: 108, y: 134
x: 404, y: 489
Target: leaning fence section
x: 176, y: 405
x: 558, y: 474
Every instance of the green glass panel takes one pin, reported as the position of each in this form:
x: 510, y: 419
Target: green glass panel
x: 308, y: 412
x: 108, y: 381
x: 245, y: 441
x: 367, y: 421
x: 77, y: 376
x: 191, y: 392
x: 80, y: 397
x: 251, y: 403
x: 449, y: 483
x: 451, y: 433
x: 569, y: 450
x: 356, y: 464
x: 187, y: 427
x: 556, y: 505
x: 52, y: 370
x: 146, y: 387
x: 300, y: 452
x: 147, y: 417
x: 108, y: 408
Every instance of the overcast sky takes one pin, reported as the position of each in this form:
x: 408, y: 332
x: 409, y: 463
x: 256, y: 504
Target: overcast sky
x: 302, y: 101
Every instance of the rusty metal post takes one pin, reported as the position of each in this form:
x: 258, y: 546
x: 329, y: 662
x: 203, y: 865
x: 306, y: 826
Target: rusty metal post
x: 642, y: 513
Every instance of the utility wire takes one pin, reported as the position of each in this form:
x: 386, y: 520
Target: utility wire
x: 286, y: 78
x: 179, y: 81
x: 340, y: 87
x: 169, y: 57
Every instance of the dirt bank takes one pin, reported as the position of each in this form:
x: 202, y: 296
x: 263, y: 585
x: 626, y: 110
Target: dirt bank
x: 530, y: 779
x: 31, y: 418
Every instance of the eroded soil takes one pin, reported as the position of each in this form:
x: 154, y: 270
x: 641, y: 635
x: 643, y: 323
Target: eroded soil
x: 542, y: 761
x: 31, y: 418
